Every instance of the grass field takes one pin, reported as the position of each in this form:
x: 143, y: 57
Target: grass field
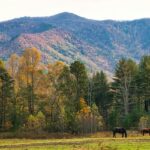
x: 88, y: 143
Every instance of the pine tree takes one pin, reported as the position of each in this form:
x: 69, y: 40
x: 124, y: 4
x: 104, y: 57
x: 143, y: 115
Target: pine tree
x: 79, y: 71
x: 144, y: 78
x: 102, y: 94
x: 125, y: 72
x: 6, y: 90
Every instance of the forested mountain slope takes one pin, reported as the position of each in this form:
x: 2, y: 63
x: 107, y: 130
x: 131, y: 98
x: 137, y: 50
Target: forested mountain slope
x: 67, y: 37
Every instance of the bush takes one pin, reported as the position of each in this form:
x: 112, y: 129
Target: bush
x: 41, y: 120
x: 144, y: 122
x: 36, y: 122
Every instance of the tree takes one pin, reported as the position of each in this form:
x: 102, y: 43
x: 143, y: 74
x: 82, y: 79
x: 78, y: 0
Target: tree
x: 79, y: 71
x: 88, y: 118
x: 67, y: 86
x: 13, y: 65
x: 53, y: 105
x: 29, y: 65
x: 144, y: 80
x: 13, y: 68
x: 97, y: 123
x: 102, y: 94
x: 125, y: 72
x: 6, y: 90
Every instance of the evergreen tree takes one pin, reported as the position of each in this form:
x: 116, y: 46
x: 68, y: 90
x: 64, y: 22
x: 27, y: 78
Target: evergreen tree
x: 102, y: 94
x: 79, y: 71
x: 67, y: 86
x: 6, y: 90
x: 144, y: 78
x: 125, y: 73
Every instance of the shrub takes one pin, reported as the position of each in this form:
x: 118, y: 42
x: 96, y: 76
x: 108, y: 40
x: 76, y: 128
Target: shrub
x: 36, y: 122
x: 41, y: 120
x: 144, y: 122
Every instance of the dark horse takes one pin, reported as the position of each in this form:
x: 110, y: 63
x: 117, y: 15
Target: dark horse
x: 145, y: 130
x: 120, y: 130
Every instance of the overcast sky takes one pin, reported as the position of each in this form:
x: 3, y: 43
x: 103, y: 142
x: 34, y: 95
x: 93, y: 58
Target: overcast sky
x: 92, y: 9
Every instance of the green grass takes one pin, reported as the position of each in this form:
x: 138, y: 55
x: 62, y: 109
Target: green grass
x: 131, y: 143
x: 94, y: 146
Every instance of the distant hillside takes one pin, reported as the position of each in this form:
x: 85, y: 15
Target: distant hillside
x: 67, y: 37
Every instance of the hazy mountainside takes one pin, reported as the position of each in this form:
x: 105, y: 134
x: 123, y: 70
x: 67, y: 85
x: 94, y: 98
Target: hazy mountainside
x: 66, y: 37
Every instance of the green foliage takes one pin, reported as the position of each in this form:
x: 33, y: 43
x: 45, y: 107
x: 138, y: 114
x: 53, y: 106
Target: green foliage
x: 41, y: 120
x: 37, y: 122
x: 131, y: 89
x: 102, y: 94
x: 113, y: 120
x: 132, y: 119
x: 65, y: 99
x: 125, y: 72
x: 32, y: 122
x: 144, y: 77
x: 79, y: 71
x: 16, y: 119
x: 6, y: 91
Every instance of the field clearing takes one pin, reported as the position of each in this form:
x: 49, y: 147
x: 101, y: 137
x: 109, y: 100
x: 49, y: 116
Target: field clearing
x: 89, y: 143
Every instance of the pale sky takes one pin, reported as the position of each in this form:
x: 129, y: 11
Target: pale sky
x: 92, y: 9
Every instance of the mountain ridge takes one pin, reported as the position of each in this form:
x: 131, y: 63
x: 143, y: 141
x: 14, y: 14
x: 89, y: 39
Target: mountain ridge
x: 67, y: 37
x: 72, y: 14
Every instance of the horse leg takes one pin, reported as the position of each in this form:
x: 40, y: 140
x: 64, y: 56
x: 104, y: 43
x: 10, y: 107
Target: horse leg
x: 122, y: 135
x: 126, y: 134
x: 114, y: 134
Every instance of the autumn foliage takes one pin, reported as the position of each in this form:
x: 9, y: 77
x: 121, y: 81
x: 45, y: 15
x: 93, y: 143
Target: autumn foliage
x: 57, y: 97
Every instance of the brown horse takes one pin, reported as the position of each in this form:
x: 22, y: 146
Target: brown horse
x: 145, y: 130
x: 120, y: 130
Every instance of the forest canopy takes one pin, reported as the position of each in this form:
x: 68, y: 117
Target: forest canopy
x: 63, y: 98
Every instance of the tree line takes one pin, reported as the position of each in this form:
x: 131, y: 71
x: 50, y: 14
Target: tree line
x: 63, y: 98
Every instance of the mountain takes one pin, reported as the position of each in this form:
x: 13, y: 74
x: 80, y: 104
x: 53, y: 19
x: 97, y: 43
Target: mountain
x: 67, y: 37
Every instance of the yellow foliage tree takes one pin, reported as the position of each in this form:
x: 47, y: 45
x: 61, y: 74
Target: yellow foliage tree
x: 29, y: 67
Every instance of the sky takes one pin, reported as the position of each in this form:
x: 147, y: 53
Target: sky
x: 92, y: 9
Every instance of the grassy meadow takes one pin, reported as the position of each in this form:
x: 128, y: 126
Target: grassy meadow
x: 99, y: 141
